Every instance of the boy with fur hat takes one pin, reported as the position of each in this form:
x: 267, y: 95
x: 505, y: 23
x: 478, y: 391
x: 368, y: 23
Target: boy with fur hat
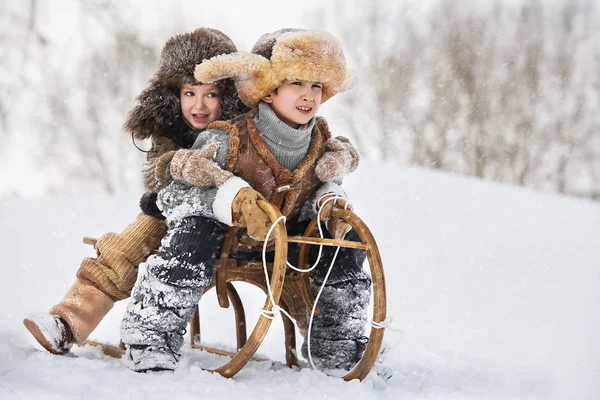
x: 279, y: 151
x: 171, y: 111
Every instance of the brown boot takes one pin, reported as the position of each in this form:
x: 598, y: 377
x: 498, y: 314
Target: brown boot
x: 70, y: 321
x: 82, y: 309
x: 50, y: 331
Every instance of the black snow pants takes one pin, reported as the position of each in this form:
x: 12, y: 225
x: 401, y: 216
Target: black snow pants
x: 166, y: 293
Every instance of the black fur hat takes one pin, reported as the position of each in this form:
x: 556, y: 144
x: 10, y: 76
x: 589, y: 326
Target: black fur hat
x: 158, y: 110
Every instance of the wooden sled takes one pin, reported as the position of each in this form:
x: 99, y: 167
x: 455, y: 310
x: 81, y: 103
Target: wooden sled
x: 294, y: 296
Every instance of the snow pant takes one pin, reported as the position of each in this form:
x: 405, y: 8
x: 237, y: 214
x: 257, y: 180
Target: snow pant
x: 337, y: 338
x: 108, y: 278
x: 164, y: 298
x: 166, y: 293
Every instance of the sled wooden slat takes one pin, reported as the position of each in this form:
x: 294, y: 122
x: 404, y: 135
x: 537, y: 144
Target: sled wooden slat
x: 108, y: 349
x: 90, y: 240
x: 240, y: 317
x: 276, y: 283
x: 225, y: 353
x: 362, y: 369
x: 327, y: 242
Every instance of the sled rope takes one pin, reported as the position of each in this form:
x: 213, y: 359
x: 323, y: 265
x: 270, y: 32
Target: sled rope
x: 383, y: 324
x: 337, y: 250
x: 275, y: 309
x: 328, y: 197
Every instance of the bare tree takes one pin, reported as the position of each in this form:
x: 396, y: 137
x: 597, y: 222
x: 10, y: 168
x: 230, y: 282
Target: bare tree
x: 90, y: 126
x: 81, y: 104
x: 20, y: 38
x: 78, y: 93
x: 502, y: 93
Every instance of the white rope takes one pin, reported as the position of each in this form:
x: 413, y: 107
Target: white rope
x: 383, y: 324
x: 328, y: 197
x: 314, y: 308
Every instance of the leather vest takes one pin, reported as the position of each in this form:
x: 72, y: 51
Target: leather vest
x: 250, y: 159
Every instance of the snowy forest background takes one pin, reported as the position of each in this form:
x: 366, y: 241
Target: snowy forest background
x: 492, y: 289
x: 505, y: 90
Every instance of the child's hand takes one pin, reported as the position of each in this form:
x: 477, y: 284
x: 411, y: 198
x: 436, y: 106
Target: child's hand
x: 247, y: 214
x: 197, y: 167
x: 340, y: 159
x: 337, y: 227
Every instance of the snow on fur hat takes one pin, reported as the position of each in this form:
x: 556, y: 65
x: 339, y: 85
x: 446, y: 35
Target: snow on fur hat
x: 158, y: 109
x: 294, y: 54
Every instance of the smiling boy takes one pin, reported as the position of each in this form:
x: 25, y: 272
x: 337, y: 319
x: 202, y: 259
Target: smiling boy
x: 279, y: 150
x: 295, y: 102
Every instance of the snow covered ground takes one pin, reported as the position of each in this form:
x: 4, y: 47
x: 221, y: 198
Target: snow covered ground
x: 494, y: 292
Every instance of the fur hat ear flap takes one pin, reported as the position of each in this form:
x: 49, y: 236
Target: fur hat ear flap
x: 239, y: 66
x: 253, y: 74
x: 157, y: 110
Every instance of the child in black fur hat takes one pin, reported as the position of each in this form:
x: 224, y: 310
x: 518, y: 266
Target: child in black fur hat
x: 171, y: 111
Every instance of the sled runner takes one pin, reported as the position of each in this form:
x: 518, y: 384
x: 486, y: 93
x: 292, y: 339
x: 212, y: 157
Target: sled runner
x: 286, y: 289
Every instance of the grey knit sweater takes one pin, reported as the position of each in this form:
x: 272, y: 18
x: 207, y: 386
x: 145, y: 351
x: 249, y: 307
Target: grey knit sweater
x: 288, y: 145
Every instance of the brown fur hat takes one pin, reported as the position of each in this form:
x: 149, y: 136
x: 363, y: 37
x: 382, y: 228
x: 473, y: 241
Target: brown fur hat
x: 158, y: 109
x: 294, y: 54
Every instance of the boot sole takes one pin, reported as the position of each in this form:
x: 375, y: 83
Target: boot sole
x: 35, y: 330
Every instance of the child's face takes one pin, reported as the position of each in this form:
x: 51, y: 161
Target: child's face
x: 296, y: 102
x: 200, y: 105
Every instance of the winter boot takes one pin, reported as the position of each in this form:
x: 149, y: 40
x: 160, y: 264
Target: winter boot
x: 82, y: 308
x: 335, y: 354
x: 50, y: 331
x: 72, y: 320
x: 337, y: 336
x: 144, y: 358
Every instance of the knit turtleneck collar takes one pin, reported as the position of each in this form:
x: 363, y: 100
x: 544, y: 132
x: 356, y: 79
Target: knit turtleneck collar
x: 276, y: 132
